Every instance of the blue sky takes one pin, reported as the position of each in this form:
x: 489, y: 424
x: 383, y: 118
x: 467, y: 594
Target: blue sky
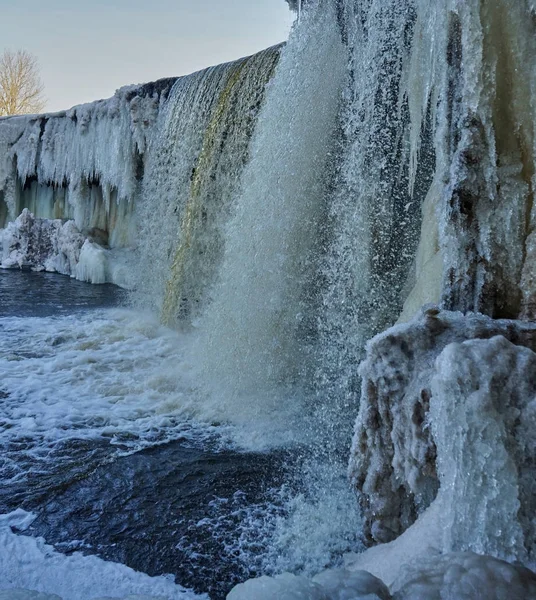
x: 86, y: 50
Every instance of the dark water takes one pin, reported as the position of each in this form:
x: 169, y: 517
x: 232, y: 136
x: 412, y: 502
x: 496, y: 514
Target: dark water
x: 196, y: 514
x: 28, y: 294
x: 199, y: 513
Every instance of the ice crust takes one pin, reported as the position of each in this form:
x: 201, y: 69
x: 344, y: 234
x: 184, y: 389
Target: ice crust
x: 466, y: 576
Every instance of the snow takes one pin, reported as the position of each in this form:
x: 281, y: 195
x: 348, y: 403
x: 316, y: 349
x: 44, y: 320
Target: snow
x: 28, y: 563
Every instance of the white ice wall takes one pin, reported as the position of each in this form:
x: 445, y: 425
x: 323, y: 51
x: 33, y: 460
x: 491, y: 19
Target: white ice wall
x: 85, y: 163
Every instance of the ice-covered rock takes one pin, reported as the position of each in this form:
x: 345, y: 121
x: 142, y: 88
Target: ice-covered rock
x: 333, y: 584
x: 465, y: 576
x: 482, y: 416
x: 59, y: 247
x: 483, y: 421
x: 41, y: 244
x: 393, y: 460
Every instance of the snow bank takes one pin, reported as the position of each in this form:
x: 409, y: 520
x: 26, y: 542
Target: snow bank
x: 28, y: 563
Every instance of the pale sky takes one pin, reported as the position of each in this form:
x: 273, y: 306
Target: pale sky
x: 86, y: 50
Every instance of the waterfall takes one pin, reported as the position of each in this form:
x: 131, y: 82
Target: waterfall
x: 289, y: 206
x: 193, y: 172
x: 254, y: 334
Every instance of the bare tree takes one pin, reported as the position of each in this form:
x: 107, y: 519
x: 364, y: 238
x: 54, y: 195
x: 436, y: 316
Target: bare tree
x: 21, y: 88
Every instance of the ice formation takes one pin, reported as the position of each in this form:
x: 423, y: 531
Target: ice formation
x: 83, y: 163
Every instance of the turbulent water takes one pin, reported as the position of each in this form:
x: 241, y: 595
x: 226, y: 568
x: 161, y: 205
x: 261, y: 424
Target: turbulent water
x: 281, y: 210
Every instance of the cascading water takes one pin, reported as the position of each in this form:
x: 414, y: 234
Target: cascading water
x: 255, y: 334
x: 193, y: 172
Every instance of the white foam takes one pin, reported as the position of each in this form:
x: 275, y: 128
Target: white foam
x: 114, y: 375
x: 117, y: 375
